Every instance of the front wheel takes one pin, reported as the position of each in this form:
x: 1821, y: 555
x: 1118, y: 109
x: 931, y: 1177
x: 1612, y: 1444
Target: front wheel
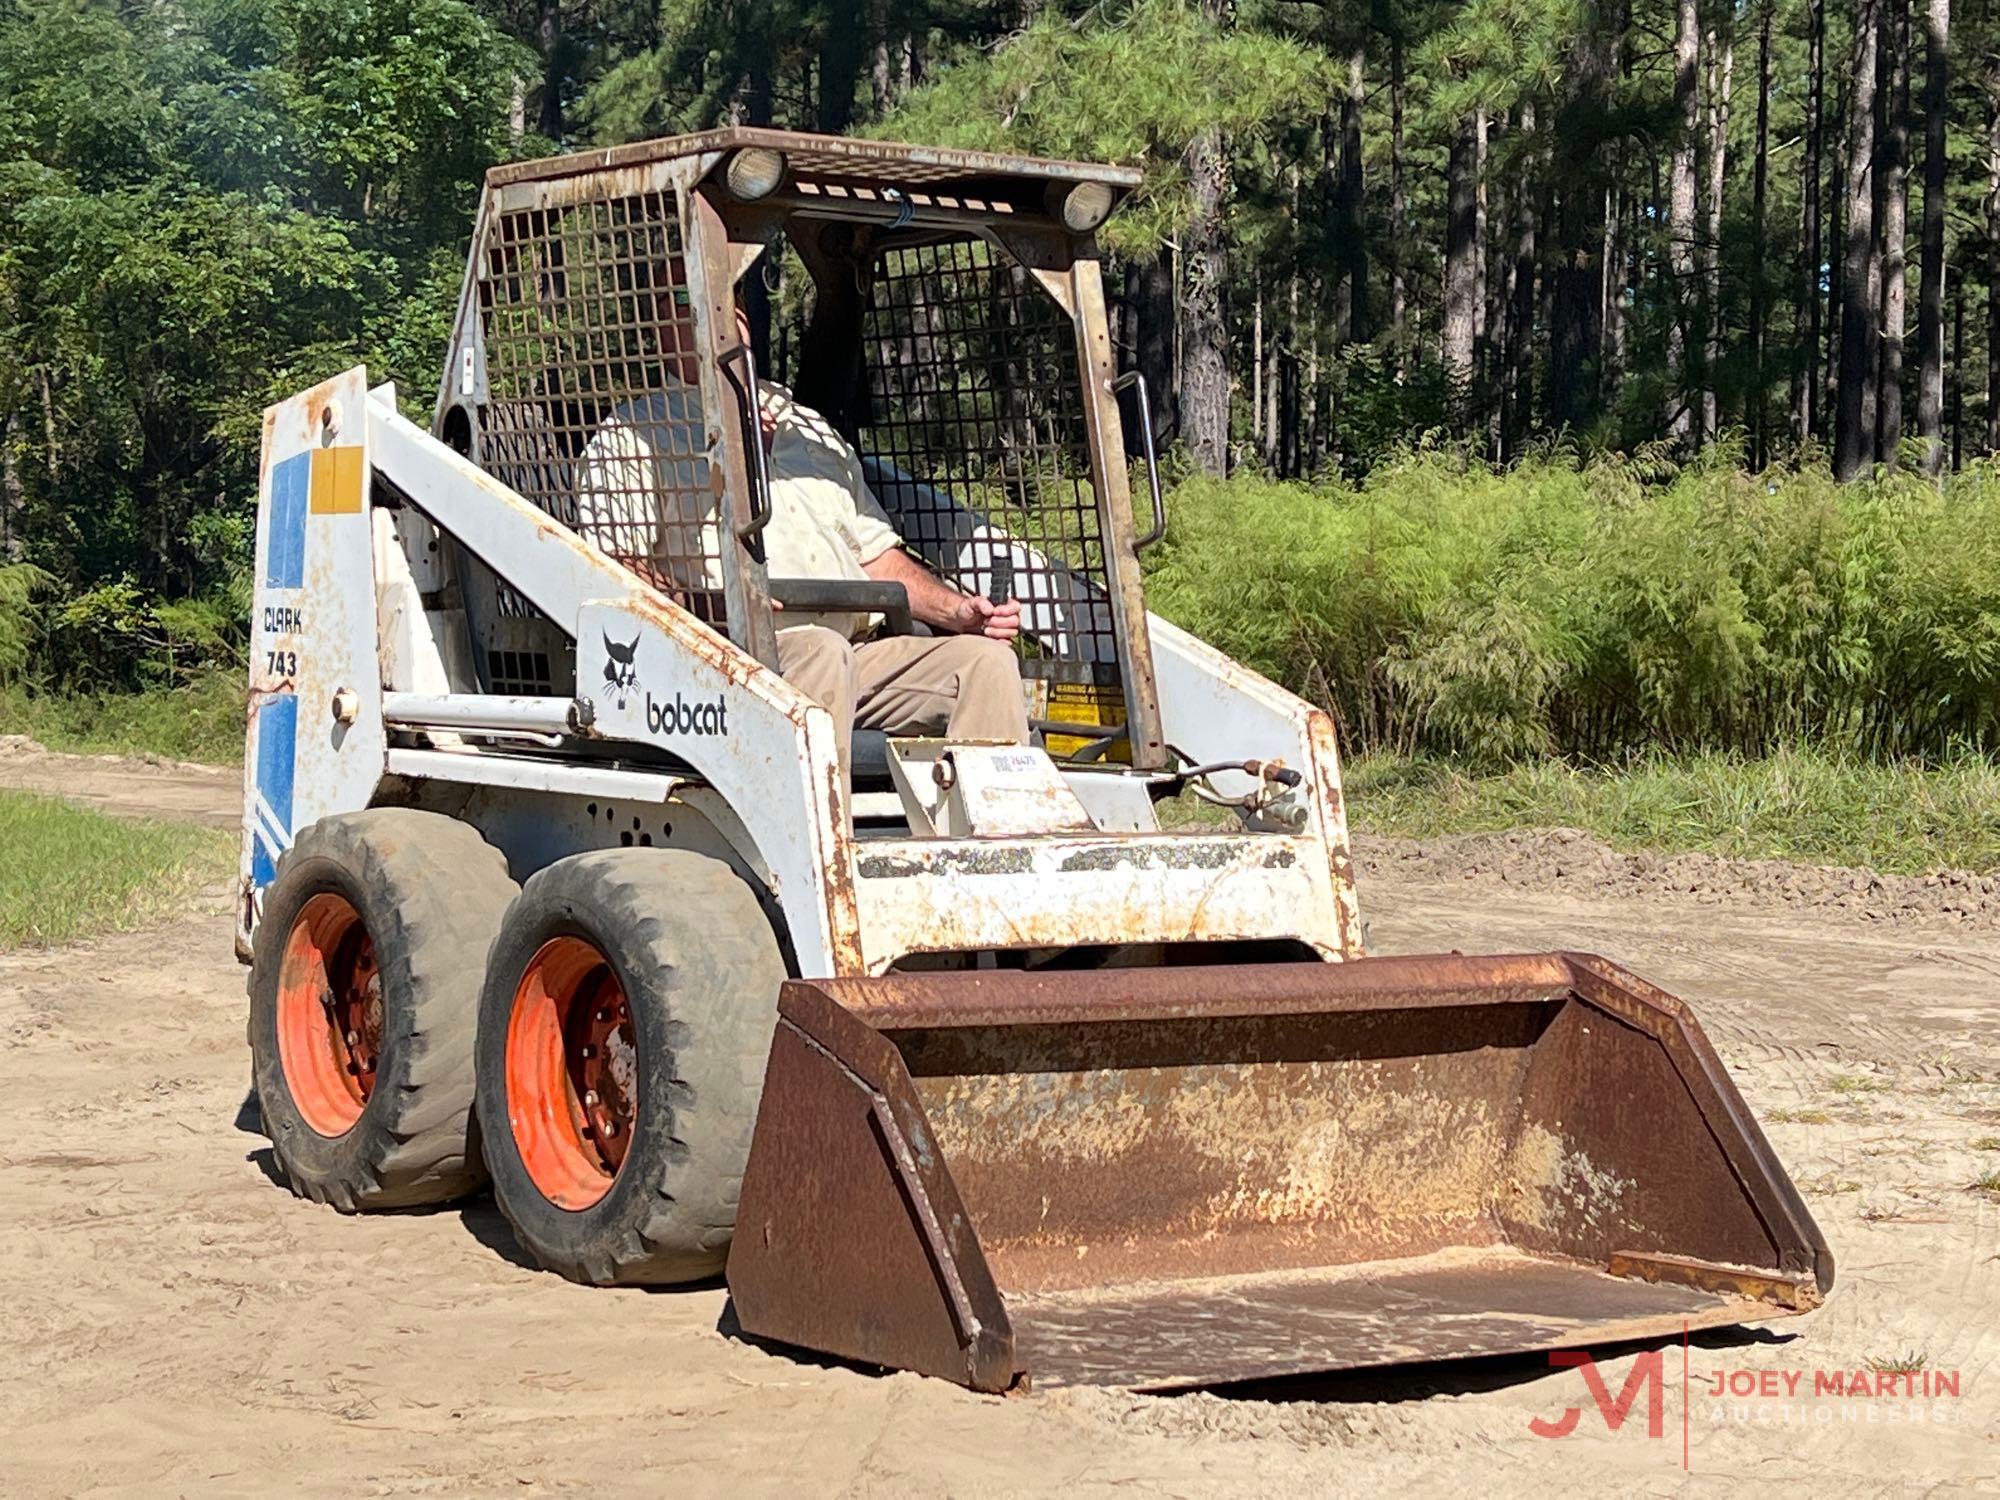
x: 623, y: 1033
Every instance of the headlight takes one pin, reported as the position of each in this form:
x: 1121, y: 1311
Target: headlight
x: 1082, y: 207
x: 754, y: 172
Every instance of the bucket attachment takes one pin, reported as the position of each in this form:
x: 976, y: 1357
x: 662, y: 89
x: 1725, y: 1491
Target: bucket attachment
x: 1158, y: 1178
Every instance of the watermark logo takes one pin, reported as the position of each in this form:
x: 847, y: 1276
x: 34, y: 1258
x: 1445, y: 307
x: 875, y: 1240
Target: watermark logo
x: 1903, y: 1390
x: 1646, y: 1379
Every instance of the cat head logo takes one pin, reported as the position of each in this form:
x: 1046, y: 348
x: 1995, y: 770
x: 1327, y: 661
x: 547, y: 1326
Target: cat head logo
x: 621, y: 675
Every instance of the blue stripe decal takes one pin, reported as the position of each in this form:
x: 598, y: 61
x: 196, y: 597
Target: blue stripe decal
x: 277, y: 738
x: 285, y: 550
x: 263, y: 868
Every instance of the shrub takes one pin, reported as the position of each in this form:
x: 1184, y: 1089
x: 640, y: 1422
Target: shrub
x: 1597, y: 607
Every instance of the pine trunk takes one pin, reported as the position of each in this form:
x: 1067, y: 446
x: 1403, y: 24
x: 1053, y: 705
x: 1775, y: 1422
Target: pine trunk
x: 1461, y: 280
x: 1288, y: 356
x: 1721, y: 80
x: 1612, y: 298
x: 1272, y: 416
x: 10, y: 487
x: 1930, y: 283
x: 1258, y: 426
x: 1836, y: 256
x: 1854, y: 424
x: 1895, y: 221
x: 1577, y: 293
x: 1759, y: 179
x: 1288, y: 369
x: 1681, y: 231
x: 1806, y: 403
x: 841, y: 51
x: 1993, y: 262
x: 549, y: 43
x: 1204, y: 398
x: 1399, y: 206
x: 881, y: 59
x: 1521, y: 317
x: 1480, y: 148
x: 1150, y: 291
x: 1353, y: 248
x: 1496, y: 352
x: 1958, y: 375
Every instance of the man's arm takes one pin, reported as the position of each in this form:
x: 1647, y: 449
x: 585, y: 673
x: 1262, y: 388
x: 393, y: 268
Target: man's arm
x: 941, y: 606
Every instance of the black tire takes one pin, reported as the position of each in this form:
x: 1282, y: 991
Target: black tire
x: 430, y: 893
x: 687, y: 941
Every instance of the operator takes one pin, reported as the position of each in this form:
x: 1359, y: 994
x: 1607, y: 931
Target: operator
x: 643, y: 492
x: 964, y: 682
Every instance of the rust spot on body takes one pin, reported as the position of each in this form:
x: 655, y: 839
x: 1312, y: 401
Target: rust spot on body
x: 999, y: 859
x: 1185, y: 854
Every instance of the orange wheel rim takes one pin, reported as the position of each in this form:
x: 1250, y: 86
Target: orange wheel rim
x: 329, y: 1014
x: 572, y: 1072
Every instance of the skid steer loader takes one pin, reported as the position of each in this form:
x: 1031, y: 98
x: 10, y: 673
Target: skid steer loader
x: 956, y: 1060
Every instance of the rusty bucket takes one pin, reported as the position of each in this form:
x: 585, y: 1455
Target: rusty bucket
x: 1159, y: 1178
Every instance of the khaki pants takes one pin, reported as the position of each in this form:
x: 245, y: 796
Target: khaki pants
x: 964, y: 686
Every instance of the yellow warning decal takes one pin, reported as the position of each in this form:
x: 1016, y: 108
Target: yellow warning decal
x: 336, y: 481
x: 1085, y: 703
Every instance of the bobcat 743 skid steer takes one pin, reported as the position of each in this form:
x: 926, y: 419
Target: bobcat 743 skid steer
x: 961, y: 1063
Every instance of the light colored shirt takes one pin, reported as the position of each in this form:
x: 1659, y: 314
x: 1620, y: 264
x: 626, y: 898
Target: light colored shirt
x: 825, y: 521
x: 644, y: 494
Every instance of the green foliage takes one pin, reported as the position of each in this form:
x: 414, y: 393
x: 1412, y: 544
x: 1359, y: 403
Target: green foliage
x: 1377, y: 411
x: 70, y: 873
x: 1794, y: 805
x: 205, y: 206
x: 700, y: 57
x: 1132, y: 84
x: 201, y: 721
x: 1594, y: 609
x: 19, y: 583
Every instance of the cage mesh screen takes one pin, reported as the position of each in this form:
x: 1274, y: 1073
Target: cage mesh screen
x: 975, y: 423
x: 594, y: 410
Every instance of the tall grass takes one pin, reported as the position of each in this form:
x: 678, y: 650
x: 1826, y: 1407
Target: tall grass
x: 1598, y: 609
x: 201, y: 721
x: 1793, y: 805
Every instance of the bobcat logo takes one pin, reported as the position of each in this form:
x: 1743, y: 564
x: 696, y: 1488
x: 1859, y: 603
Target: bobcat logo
x: 621, y: 676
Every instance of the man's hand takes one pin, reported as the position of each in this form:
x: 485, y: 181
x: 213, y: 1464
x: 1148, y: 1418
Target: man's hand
x: 977, y: 616
x: 941, y: 606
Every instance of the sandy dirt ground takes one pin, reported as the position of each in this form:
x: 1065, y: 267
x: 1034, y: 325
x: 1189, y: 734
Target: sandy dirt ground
x: 152, y: 788
x: 175, y: 1323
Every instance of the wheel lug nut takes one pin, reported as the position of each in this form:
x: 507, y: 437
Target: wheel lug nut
x: 353, y: 1037
x: 589, y: 1052
x: 603, y: 1016
x: 590, y: 1097
x: 611, y: 1127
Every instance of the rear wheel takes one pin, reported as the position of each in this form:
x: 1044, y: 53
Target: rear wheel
x: 364, y: 987
x: 623, y: 1034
